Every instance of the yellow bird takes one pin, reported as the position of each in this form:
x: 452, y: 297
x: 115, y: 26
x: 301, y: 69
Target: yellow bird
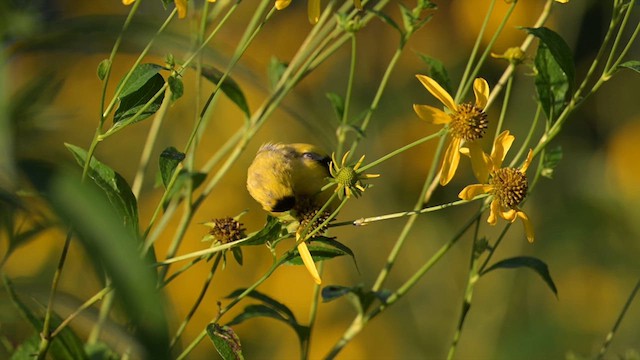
x: 282, y: 175
x: 285, y: 175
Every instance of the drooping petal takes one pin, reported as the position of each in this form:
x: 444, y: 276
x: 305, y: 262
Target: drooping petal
x: 493, y: 213
x: 509, y: 215
x: 313, y: 8
x: 431, y: 114
x: 181, y: 5
x: 500, y: 148
x: 525, y: 166
x: 528, y: 227
x: 450, y: 161
x: 436, y: 90
x: 281, y: 4
x: 127, y: 2
x: 474, y: 190
x: 481, y: 89
x: 480, y: 161
x: 305, y: 255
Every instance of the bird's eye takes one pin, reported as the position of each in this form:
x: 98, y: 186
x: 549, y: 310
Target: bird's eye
x: 311, y: 156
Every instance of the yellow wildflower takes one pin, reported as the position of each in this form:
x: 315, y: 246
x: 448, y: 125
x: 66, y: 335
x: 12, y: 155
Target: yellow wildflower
x: 507, y: 186
x: 467, y: 122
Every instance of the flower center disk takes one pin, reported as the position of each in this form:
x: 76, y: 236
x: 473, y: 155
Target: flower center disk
x: 509, y: 186
x: 469, y: 122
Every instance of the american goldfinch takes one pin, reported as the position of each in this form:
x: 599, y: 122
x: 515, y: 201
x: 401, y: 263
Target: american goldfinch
x: 285, y: 175
x: 282, y: 175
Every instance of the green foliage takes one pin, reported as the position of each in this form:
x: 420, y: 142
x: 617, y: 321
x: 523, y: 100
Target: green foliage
x: 360, y: 298
x: 332, y: 249
x: 226, y: 341
x: 552, y: 158
x: 229, y: 87
x: 169, y: 160
x: 631, y: 65
x: 274, y: 72
x: 437, y: 71
x: 103, y: 69
x: 532, y: 263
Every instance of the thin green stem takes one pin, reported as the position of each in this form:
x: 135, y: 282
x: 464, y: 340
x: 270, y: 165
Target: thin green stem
x: 625, y: 308
x: 487, y: 51
x: 92, y: 300
x: 313, y: 312
x: 474, y: 52
x: 196, y: 304
x: 527, y: 140
x: 616, y: 42
x: 401, y: 150
x: 347, y: 101
x: 503, y: 110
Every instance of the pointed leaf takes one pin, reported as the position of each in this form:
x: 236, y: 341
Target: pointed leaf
x: 632, y: 65
x: 144, y: 100
x: 388, y: 20
x: 140, y: 76
x: 555, y: 71
x: 337, y: 245
x: 437, y: 71
x: 229, y: 87
x: 550, y: 161
x: 267, y: 300
x: 257, y: 310
x: 237, y: 254
x: 337, y: 103
x: 270, y: 232
x: 226, y: 342
x: 176, y: 86
x: 169, y: 160
x: 318, y: 253
x: 532, y: 263
x: 114, y: 186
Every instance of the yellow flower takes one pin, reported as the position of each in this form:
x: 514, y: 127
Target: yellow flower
x: 467, y: 122
x: 313, y: 8
x: 348, y: 178
x: 507, y: 186
x: 562, y: 1
x: 181, y: 5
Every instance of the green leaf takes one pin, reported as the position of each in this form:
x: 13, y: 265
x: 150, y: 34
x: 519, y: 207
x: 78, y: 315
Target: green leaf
x: 143, y: 99
x: 226, y: 342
x: 270, y: 232
x: 140, y: 76
x: 632, y: 65
x: 114, y: 250
x: 359, y: 298
x: 169, y: 160
x: 100, y: 351
x: 113, y: 185
x: 267, y: 300
x: 275, y: 70
x: 332, y: 242
x: 555, y: 71
x: 237, y: 254
x: 318, y: 253
x: 550, y: 161
x: 176, y: 86
x: 337, y: 103
x: 532, y: 263
x: 103, y: 68
x: 27, y: 349
x: 437, y: 71
x: 408, y: 20
x: 229, y: 87
x: 257, y: 310
x: 388, y: 20
x: 66, y: 345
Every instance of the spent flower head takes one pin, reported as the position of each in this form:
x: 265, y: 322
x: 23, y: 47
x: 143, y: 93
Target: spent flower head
x: 225, y: 230
x: 309, y: 217
x: 348, y: 178
x: 506, y: 186
x: 467, y: 122
x: 513, y: 55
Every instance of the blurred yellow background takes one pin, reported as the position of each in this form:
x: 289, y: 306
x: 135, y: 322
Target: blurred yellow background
x: 586, y: 218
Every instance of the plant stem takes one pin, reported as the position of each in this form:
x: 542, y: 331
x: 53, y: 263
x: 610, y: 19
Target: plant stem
x: 625, y: 308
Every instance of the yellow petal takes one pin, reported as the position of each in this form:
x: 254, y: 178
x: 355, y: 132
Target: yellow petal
x: 436, y: 90
x: 357, y: 4
x: 480, y: 162
x: 305, y: 255
x: 181, y: 5
x: 481, y: 89
x: 525, y: 166
x: 431, y: 114
x: 450, y: 161
x: 562, y: 1
x: 281, y: 4
x: 127, y: 2
x: 509, y: 215
x: 474, y: 190
x: 493, y: 214
x: 313, y: 7
x: 211, y: 1
x: 528, y: 227
x: 500, y: 148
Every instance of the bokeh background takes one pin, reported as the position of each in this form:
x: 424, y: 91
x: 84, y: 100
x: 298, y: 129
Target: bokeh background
x: 586, y: 218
